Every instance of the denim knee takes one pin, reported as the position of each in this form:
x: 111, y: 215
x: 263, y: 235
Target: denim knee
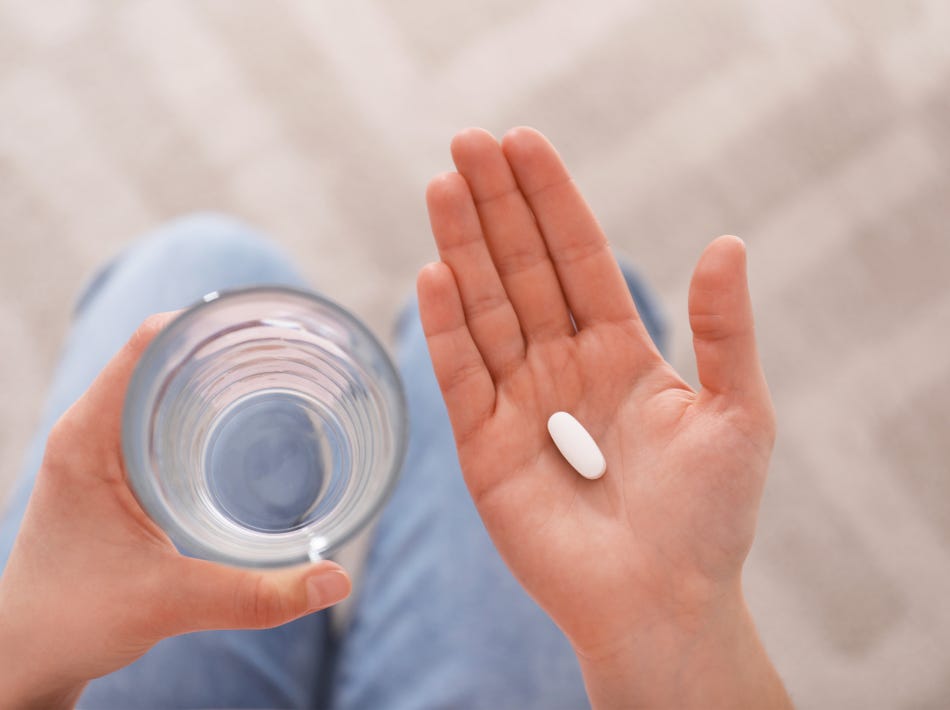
x: 201, y: 241
x: 194, y: 254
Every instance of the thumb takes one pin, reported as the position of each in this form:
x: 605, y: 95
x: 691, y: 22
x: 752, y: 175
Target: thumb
x: 208, y: 595
x: 720, y: 316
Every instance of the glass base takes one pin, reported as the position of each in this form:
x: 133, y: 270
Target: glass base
x: 268, y: 461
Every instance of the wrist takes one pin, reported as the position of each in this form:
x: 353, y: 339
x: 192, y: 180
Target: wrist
x: 711, y: 658
x: 27, y: 680
x: 27, y: 683
x: 28, y: 696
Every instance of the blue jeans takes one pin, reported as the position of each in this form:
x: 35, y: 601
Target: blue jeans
x: 439, y: 620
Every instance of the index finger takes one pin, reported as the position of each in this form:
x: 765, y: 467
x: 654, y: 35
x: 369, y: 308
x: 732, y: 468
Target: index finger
x: 99, y: 410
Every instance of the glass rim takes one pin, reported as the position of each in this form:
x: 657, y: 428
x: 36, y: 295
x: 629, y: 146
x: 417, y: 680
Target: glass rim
x: 142, y: 476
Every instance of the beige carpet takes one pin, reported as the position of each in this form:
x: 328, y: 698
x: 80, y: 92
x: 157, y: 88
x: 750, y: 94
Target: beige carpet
x: 818, y: 131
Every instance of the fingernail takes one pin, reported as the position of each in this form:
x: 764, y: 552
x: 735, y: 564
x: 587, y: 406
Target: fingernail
x: 327, y: 588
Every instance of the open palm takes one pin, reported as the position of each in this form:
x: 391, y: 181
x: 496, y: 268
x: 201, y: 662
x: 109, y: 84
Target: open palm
x: 527, y: 314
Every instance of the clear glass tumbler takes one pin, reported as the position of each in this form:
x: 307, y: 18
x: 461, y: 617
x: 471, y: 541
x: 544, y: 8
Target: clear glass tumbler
x: 264, y: 427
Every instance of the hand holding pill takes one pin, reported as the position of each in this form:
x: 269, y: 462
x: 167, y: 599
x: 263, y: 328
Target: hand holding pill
x: 527, y: 314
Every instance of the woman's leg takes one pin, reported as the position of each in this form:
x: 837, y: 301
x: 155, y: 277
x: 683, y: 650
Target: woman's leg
x: 440, y: 621
x: 166, y: 270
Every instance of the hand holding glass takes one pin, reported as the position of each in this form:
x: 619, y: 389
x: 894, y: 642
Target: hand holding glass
x: 264, y: 427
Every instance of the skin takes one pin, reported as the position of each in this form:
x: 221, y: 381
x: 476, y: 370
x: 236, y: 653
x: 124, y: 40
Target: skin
x: 92, y: 583
x: 641, y: 569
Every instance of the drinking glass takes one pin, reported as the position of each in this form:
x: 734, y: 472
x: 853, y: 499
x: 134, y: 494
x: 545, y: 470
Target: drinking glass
x: 264, y: 427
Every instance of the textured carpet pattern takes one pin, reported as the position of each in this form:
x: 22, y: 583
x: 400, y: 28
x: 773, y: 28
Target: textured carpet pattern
x: 818, y: 131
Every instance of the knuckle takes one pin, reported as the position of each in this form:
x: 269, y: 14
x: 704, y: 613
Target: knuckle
x: 471, y: 433
x: 707, y: 326
x: 58, y: 435
x: 481, y: 306
x: 519, y: 259
x: 261, y: 603
x: 146, y: 332
x: 580, y: 250
x: 59, y: 444
x: 461, y: 375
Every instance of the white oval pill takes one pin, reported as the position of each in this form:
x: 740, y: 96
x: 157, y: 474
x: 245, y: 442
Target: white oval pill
x: 577, y: 445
